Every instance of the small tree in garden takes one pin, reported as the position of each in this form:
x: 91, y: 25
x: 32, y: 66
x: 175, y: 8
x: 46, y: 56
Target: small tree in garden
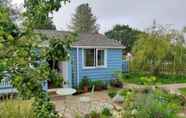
x: 159, y: 47
x: 150, y: 49
x: 23, y: 55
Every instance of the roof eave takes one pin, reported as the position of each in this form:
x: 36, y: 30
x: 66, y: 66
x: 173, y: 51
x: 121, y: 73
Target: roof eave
x: 115, y: 47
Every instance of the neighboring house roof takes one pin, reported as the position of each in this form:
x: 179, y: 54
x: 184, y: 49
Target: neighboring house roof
x: 85, y: 40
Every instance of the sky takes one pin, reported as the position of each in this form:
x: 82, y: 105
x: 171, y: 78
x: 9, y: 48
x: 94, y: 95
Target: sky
x: 136, y: 13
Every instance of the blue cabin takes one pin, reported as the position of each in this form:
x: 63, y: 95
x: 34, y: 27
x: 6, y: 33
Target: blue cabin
x: 93, y: 55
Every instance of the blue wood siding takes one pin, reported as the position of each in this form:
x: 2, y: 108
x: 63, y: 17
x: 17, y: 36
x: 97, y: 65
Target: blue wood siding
x: 114, y: 64
x: 125, y: 66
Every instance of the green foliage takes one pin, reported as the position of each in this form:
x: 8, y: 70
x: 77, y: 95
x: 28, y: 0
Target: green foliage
x: 159, y: 51
x: 183, y: 91
x: 148, y: 80
x: 37, y: 14
x: 152, y: 52
x: 112, y: 92
x: 99, y: 84
x: 117, y: 83
x: 24, y: 59
x: 16, y: 109
x: 93, y: 114
x: 56, y: 79
x: 47, y: 25
x: 125, y: 34
x: 126, y: 92
x: 160, y: 79
x: 152, y: 105
x: 83, y: 20
x: 85, y: 82
x: 59, y: 47
x: 106, y: 113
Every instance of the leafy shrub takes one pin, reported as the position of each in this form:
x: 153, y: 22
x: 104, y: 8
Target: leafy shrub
x: 16, y: 109
x: 116, y: 83
x: 112, y: 92
x: 106, y: 113
x: 93, y: 114
x: 99, y: 85
x: 85, y: 82
x: 125, y: 92
x: 148, y: 80
x: 157, y: 104
x: 134, y: 77
x: 56, y: 79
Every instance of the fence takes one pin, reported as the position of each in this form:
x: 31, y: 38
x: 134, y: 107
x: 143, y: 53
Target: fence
x: 5, y: 84
x: 164, y: 68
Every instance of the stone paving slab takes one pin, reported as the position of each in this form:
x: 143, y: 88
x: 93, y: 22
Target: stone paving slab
x: 73, y: 105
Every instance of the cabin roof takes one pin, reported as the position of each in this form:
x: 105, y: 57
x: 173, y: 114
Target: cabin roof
x: 85, y: 40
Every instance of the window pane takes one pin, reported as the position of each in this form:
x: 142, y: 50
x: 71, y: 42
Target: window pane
x: 89, y: 57
x: 100, y: 57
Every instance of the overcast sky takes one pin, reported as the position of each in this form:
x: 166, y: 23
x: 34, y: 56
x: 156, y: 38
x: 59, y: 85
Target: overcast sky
x: 136, y: 13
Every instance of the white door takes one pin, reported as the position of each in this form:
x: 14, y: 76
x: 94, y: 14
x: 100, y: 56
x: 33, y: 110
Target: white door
x: 63, y: 68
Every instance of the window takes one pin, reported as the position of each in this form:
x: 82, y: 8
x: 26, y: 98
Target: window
x: 94, y: 58
x: 100, y: 58
x: 89, y: 57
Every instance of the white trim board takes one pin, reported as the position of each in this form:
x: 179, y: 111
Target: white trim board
x: 96, y: 66
x: 122, y: 47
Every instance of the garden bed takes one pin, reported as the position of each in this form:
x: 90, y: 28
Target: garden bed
x: 183, y: 91
x: 160, y: 79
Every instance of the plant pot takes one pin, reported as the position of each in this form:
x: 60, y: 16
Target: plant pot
x: 85, y: 89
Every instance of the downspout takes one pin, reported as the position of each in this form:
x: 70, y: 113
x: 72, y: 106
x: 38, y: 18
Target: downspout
x: 77, y: 67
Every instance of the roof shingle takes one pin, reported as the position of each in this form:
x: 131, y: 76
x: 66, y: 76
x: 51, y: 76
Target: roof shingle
x: 84, y: 39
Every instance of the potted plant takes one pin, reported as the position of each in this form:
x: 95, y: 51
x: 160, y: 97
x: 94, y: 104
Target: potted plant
x: 84, y: 85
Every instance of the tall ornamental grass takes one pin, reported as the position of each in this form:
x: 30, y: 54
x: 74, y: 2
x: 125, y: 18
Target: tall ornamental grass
x: 16, y: 109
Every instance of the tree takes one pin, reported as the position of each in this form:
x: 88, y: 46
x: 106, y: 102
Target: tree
x: 150, y: 50
x: 14, y: 12
x: 37, y: 12
x: 125, y: 34
x: 159, y: 46
x: 83, y: 20
x: 47, y: 25
x: 23, y: 56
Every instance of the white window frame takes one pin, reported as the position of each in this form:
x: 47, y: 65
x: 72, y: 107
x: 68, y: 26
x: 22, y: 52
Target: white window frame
x: 96, y: 60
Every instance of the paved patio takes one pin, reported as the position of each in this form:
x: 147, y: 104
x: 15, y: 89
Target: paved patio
x: 99, y: 100
x: 72, y: 105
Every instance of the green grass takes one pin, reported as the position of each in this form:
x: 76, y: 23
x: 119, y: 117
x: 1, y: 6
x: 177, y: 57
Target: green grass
x: 160, y: 79
x: 183, y: 91
x: 16, y: 109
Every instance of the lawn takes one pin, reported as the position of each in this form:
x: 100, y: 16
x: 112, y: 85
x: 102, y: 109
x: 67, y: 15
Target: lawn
x: 160, y: 79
